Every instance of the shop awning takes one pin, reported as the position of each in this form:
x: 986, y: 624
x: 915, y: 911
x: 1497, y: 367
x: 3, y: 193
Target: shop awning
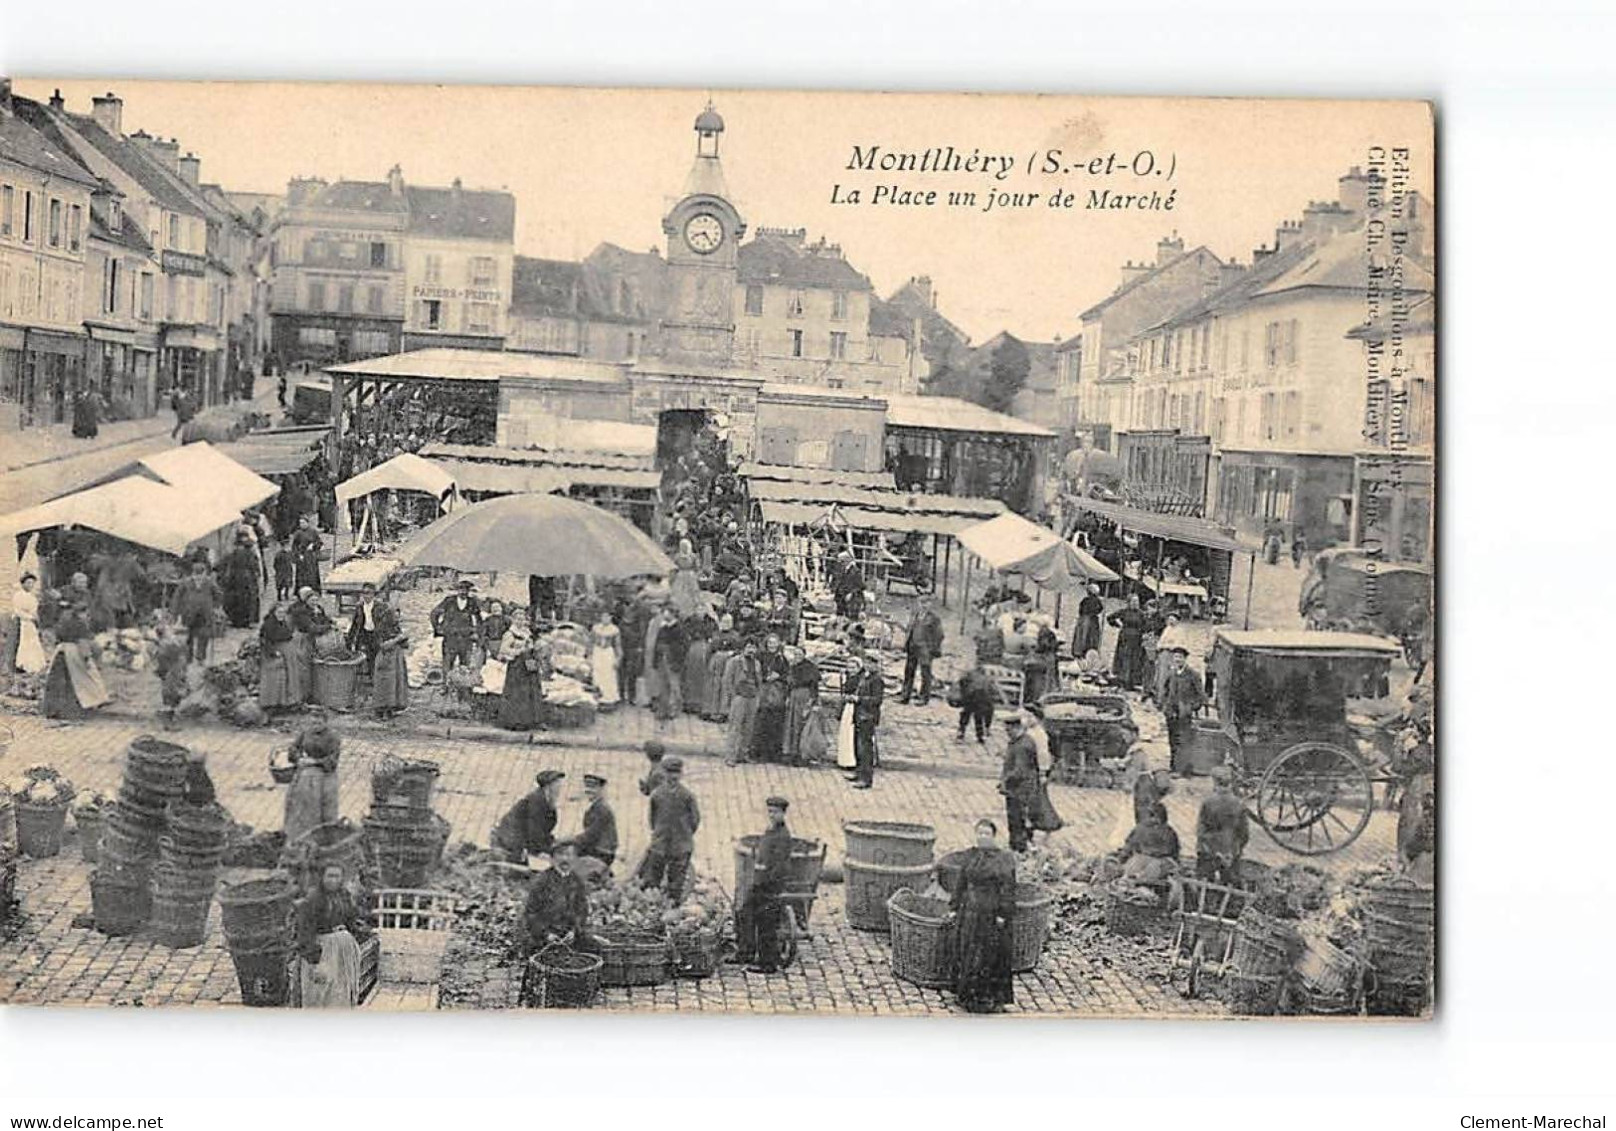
x: 862, y: 518
x: 206, y: 472
x: 269, y: 453
x: 1172, y: 527
x: 404, y: 472
x: 520, y: 479
x: 540, y: 457
x: 1011, y: 544
x: 870, y: 480
x: 1321, y: 644
x: 827, y: 493
x: 136, y: 510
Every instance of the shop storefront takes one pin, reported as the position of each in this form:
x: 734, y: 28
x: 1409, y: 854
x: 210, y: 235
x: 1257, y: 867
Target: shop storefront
x: 39, y: 372
x: 1295, y: 491
x: 191, y: 360
x: 1395, y: 513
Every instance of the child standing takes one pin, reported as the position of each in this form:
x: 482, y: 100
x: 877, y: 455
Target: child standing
x: 171, y: 660
x: 284, y: 573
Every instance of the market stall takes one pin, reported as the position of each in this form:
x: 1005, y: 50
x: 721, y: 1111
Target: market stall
x: 404, y: 472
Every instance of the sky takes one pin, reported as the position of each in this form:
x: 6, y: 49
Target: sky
x: 594, y: 165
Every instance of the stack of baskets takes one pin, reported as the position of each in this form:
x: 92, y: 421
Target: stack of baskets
x: 1400, y: 926
x: 559, y: 977
x: 881, y: 858
x: 131, y: 831
x: 257, y: 920
x: 187, y: 873
x: 406, y: 837
x: 1264, y: 950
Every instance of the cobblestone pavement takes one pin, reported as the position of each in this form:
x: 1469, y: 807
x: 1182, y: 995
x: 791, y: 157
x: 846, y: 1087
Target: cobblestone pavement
x: 927, y: 778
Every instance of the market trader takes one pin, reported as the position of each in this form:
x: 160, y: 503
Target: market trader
x: 458, y: 620
x: 1183, y: 696
x: 599, y: 837
x: 1221, y: 831
x: 528, y: 827
x: 757, y: 921
x: 557, y: 908
x: 865, y: 690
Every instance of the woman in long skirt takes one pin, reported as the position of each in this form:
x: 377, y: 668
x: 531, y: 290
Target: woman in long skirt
x: 1128, y: 662
x: 521, y: 704
x: 605, y: 654
x: 280, y: 676
x: 684, y: 590
x: 390, y: 680
x: 769, y: 732
x: 719, y: 650
x: 329, y: 924
x: 803, y: 692
x: 984, y: 906
x: 311, y: 799
x: 1089, y: 611
x: 30, y: 657
x: 309, y: 623
x: 242, y: 583
x: 73, y: 686
x: 699, y: 630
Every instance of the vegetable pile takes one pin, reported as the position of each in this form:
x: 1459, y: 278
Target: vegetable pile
x: 44, y: 786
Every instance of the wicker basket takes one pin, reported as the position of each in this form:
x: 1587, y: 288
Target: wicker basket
x: 633, y: 958
x: 1264, y: 947
x: 1324, y: 969
x: 696, y: 954
x: 1299, y: 999
x: 559, y: 977
x: 1035, y: 908
x: 1253, y: 995
x: 40, y: 828
x: 1131, y: 920
x: 923, y: 939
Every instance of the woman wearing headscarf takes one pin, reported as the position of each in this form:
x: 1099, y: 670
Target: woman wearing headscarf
x: 309, y: 622
x: 73, y: 686
x: 984, y: 907
x: 769, y: 732
x: 280, y: 675
x: 389, y: 677
x: 329, y: 922
x: 311, y: 799
x: 1089, y: 611
x: 724, y: 644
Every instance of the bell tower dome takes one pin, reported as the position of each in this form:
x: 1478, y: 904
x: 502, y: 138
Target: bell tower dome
x: 703, y: 230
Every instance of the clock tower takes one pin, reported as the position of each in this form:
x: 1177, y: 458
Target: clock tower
x: 703, y: 230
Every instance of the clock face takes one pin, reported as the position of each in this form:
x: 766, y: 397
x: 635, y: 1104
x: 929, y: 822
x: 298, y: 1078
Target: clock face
x: 703, y: 233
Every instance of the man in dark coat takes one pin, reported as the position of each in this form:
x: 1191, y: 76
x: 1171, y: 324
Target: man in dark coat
x: 373, y: 622
x: 1184, y: 694
x: 599, y: 837
x: 306, y: 547
x: 847, y: 586
x: 557, y: 908
x: 528, y: 827
x: 1221, y: 831
x: 757, y: 921
x: 458, y: 620
x: 921, y: 646
x: 242, y: 583
x: 865, y: 688
x: 674, y: 820
x: 194, y: 604
x: 1018, y: 781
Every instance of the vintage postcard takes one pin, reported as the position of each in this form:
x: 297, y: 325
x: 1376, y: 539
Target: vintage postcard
x: 479, y: 548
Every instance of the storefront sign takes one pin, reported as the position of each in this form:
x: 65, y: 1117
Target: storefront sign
x: 184, y: 263
x: 470, y: 294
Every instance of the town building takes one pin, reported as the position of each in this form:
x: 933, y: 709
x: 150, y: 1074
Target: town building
x: 44, y: 237
x: 602, y: 307
x: 338, y: 290
x: 1394, y: 509
x: 458, y: 253
x: 122, y: 333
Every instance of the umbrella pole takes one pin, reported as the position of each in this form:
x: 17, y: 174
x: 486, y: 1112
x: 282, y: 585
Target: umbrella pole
x: 965, y: 602
x: 948, y: 549
x: 1251, y: 578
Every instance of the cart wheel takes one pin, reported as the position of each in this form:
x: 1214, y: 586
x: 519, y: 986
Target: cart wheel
x: 1315, y: 798
x: 1197, y: 959
x: 788, y: 946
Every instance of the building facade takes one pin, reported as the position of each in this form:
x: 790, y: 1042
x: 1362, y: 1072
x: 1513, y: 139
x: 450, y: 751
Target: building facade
x: 458, y: 254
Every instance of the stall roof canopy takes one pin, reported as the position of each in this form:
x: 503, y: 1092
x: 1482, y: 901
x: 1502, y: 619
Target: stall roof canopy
x: 404, y: 472
x: 1293, y: 641
x: 518, y: 479
x: 632, y: 458
x: 138, y: 510
x: 439, y: 364
x: 874, y: 480
x: 205, y: 471
x: 825, y: 493
x: 917, y: 521
x: 1012, y: 544
x: 1172, y: 527
x: 276, y: 453
x: 949, y: 414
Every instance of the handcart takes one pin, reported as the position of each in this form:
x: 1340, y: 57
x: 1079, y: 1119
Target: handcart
x: 1208, y: 918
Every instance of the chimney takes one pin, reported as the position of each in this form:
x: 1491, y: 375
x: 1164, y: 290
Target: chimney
x: 190, y: 167
x: 1169, y: 248
x: 56, y: 101
x: 1229, y: 272
x: 455, y: 191
x: 300, y: 189
x: 167, y: 153
x: 922, y: 286
x: 395, y: 181
x: 1288, y: 232
x: 1322, y: 219
x: 1132, y: 271
x: 1260, y: 253
x: 1354, y: 191
x: 107, y: 110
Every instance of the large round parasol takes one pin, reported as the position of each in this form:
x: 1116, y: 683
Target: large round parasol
x: 546, y: 535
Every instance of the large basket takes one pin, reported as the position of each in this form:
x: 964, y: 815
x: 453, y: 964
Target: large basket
x: 336, y: 682
x: 633, y: 958
x: 1263, y: 946
x: 1324, y: 969
x: 408, y: 784
x: 870, y: 886
x: 40, y: 828
x: 255, y: 910
x: 559, y: 977
x: 1133, y: 920
x: 1035, y: 908
x: 1389, y: 997
x: 119, y: 908
x: 923, y: 939
x: 889, y: 843
x: 1253, y: 995
x: 88, y: 822
x: 264, y: 974
x: 1298, y: 998
x: 696, y: 954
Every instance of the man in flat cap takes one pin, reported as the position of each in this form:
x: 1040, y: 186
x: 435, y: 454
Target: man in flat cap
x: 674, y: 820
x: 757, y: 921
x: 528, y: 828
x: 1183, y: 696
x: 598, y: 840
x: 557, y: 907
x: 1018, y: 782
x: 1221, y: 831
x: 458, y: 620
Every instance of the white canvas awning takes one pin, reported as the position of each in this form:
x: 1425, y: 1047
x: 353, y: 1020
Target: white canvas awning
x: 206, y: 472
x: 404, y: 472
x: 1011, y: 544
x: 137, y: 510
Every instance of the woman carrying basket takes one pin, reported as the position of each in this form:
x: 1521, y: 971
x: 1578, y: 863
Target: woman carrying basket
x: 329, y: 922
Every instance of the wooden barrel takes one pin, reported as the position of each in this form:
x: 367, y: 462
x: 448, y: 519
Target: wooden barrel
x: 889, y: 843
x: 871, y: 886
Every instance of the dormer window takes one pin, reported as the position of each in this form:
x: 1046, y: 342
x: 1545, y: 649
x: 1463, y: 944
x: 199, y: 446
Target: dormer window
x: 794, y: 307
